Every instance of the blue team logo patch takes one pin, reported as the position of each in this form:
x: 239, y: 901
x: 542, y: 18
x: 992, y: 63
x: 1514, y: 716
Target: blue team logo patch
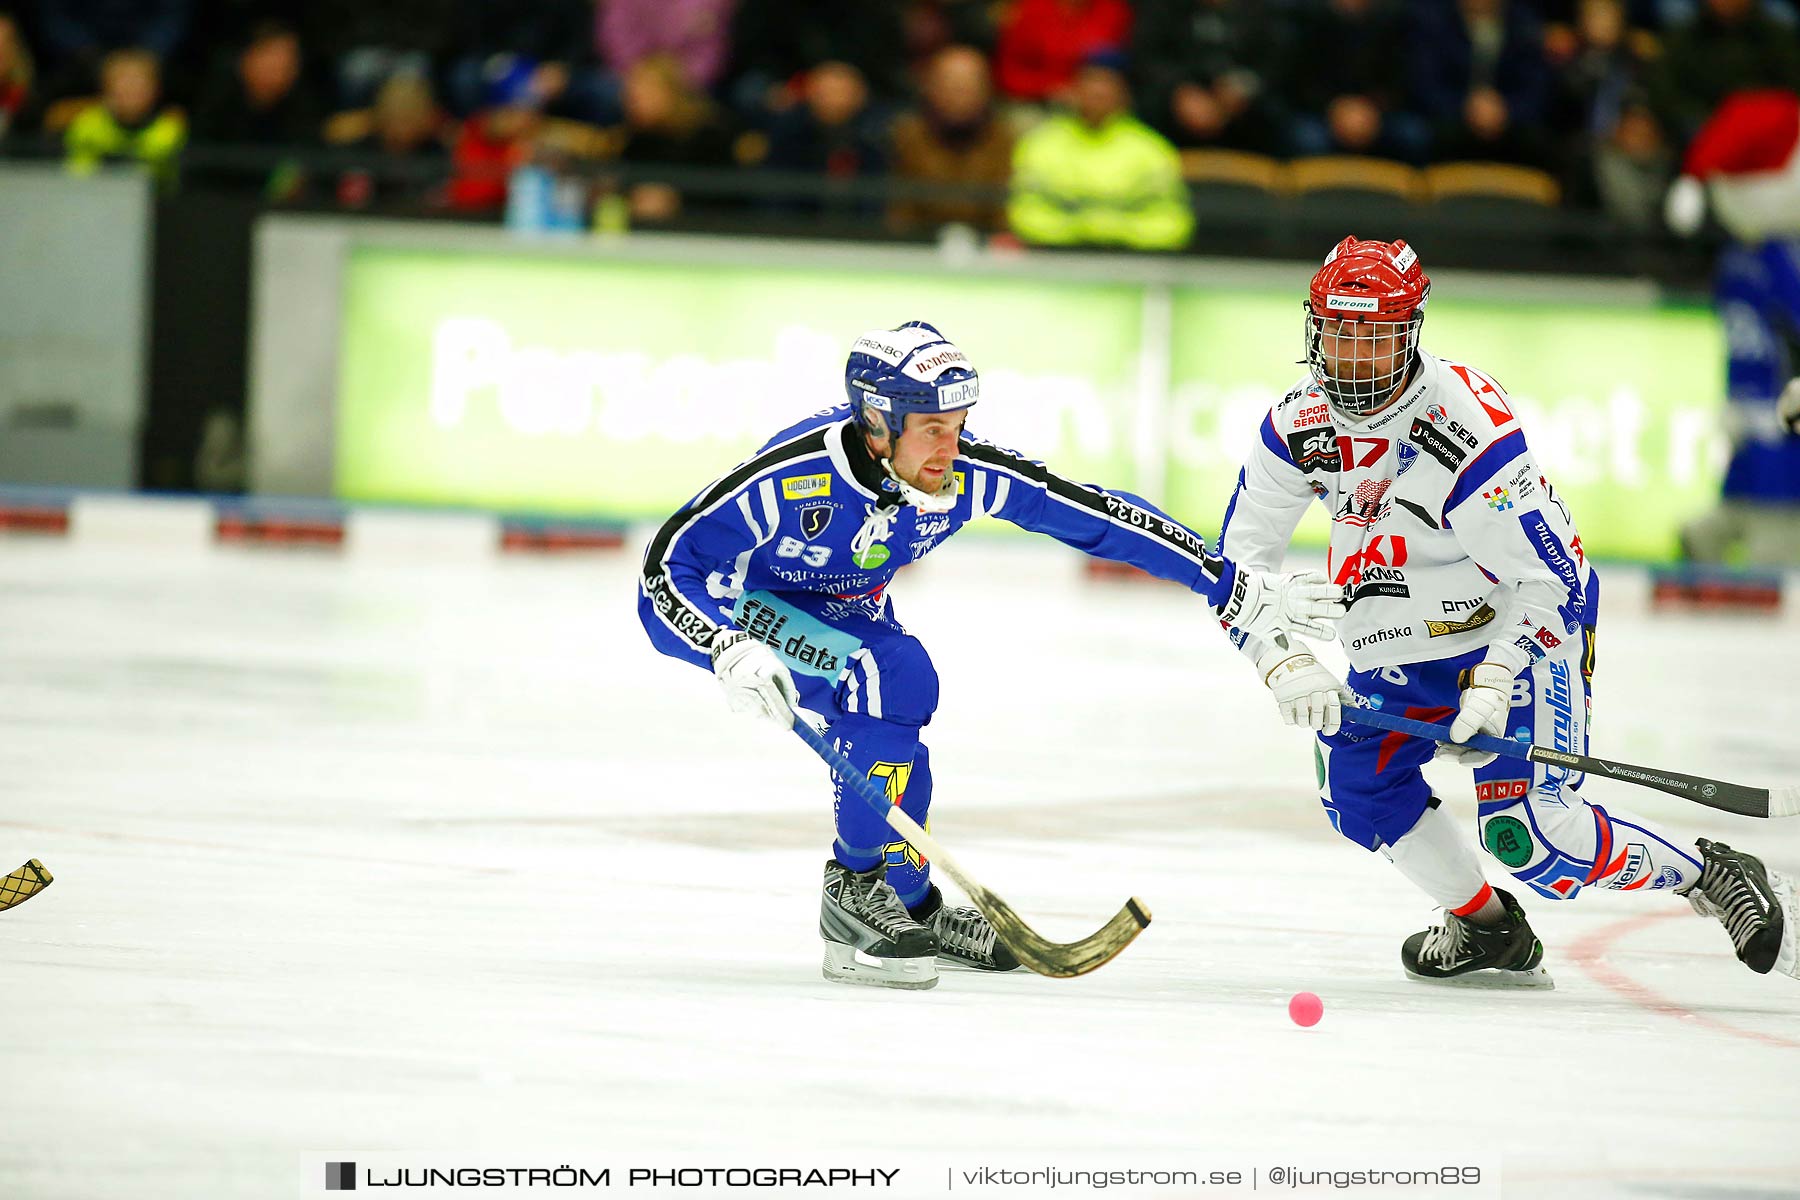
x: 814, y: 518
x: 1409, y: 454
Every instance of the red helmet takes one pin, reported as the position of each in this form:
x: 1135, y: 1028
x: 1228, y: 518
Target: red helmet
x: 1380, y: 283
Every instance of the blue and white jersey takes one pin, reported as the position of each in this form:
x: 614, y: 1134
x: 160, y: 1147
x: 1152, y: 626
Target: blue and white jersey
x: 1444, y: 529
x: 1757, y: 291
x: 788, y: 520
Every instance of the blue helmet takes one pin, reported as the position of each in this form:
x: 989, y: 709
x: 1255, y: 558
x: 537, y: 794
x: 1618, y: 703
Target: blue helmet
x: 909, y: 369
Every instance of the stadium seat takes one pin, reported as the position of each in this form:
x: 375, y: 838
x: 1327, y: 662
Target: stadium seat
x: 1500, y: 181
x: 1353, y: 174
x: 1339, y: 194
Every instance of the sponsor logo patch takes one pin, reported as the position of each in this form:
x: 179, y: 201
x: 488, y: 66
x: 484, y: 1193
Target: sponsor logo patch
x: 1345, y: 303
x: 1499, y: 499
x: 1382, y: 635
x: 1437, y: 445
x: 1481, y: 616
x: 1509, y: 841
x: 1316, y: 450
x: 799, y: 487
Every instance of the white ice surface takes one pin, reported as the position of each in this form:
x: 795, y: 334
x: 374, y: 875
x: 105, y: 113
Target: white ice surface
x: 445, y: 858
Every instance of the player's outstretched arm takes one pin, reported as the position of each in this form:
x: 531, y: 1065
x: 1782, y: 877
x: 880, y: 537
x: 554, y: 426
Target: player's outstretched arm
x: 1790, y: 406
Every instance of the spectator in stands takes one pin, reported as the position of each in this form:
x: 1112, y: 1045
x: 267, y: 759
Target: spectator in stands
x: 953, y: 137
x: 695, y: 33
x: 555, y: 34
x: 1097, y: 175
x: 261, y: 97
x: 775, y: 45
x: 1633, y: 165
x: 1478, y: 68
x: 1729, y: 45
x: 130, y: 123
x: 1615, y: 153
x: 372, y: 41
x: 1347, y: 83
x: 17, y: 96
x: 935, y: 25
x: 836, y: 132
x: 405, y: 128
x: 76, y: 34
x: 1203, y: 72
x: 1044, y: 42
x: 668, y: 124
x: 498, y: 139
x: 1596, y: 62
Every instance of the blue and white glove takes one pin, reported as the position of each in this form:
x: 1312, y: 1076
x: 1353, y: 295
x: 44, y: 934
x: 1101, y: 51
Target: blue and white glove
x: 1274, y: 607
x: 756, y: 682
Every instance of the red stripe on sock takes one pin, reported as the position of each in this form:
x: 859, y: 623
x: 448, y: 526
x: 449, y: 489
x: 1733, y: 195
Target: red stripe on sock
x: 1604, y: 828
x: 1477, y: 904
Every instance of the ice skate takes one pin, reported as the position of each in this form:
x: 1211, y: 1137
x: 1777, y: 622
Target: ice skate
x: 869, y: 936
x: 1468, y: 954
x: 1759, y: 908
x: 964, y: 936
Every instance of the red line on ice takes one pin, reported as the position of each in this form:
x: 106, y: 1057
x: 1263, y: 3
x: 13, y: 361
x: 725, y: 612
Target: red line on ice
x: 1589, y: 953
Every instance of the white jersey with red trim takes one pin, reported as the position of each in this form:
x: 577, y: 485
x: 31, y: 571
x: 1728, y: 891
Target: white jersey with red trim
x: 1446, y: 532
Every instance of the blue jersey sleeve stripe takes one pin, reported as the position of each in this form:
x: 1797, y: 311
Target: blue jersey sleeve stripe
x: 1230, y: 511
x: 1486, y: 465
x: 1273, y: 441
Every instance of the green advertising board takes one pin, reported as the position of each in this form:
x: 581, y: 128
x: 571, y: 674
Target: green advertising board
x: 619, y: 389
x: 615, y: 388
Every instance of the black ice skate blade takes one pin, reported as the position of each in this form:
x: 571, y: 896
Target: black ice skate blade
x: 843, y: 964
x: 949, y: 962
x: 1492, y: 979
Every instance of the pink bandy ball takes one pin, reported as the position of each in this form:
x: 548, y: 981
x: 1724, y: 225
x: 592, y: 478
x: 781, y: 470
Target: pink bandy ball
x: 1306, y: 1008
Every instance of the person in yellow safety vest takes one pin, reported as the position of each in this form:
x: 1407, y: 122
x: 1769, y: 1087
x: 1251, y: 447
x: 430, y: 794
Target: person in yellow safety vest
x: 130, y: 122
x: 1097, y: 175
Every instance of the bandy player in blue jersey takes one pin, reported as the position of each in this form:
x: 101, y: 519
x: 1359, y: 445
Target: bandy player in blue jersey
x: 1470, y: 596
x: 775, y: 577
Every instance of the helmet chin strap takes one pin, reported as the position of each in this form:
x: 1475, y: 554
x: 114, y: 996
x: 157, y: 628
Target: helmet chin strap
x: 940, y: 501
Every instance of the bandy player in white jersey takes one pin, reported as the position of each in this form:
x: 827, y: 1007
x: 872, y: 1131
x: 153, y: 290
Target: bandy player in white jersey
x: 1470, y: 594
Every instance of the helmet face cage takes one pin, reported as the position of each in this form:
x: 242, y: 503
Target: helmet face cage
x: 1391, y: 345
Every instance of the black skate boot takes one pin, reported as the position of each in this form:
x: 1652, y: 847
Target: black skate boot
x: 1461, y: 951
x: 963, y: 935
x: 869, y: 935
x: 1757, y: 906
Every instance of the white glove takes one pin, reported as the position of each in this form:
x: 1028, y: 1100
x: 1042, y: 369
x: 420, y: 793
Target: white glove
x: 1485, y: 703
x: 1306, y: 693
x: 1269, y: 607
x: 1790, y: 406
x: 756, y: 682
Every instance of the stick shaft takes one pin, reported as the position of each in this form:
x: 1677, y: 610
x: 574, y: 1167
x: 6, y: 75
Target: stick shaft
x: 1713, y: 793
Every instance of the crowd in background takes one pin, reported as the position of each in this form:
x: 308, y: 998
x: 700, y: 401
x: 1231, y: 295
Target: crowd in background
x: 1055, y: 100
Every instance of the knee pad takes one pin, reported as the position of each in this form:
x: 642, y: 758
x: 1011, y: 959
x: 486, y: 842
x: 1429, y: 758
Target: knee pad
x: 1549, y: 847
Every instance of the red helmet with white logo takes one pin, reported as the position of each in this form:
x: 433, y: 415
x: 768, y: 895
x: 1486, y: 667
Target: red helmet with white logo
x: 1365, y: 307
